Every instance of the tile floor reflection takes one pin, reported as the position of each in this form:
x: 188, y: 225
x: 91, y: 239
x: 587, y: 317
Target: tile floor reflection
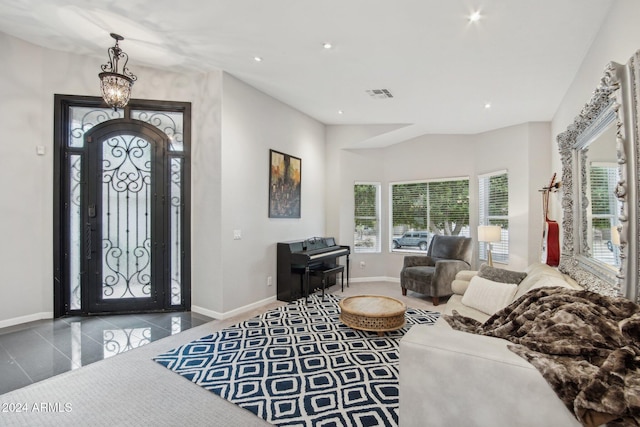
x: 35, y: 351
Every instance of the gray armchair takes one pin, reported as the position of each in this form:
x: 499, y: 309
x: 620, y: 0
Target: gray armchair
x: 432, y: 275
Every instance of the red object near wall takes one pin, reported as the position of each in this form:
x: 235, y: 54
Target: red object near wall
x: 551, y: 230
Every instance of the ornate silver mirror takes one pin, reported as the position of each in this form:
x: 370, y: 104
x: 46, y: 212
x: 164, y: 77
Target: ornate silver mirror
x: 599, y: 153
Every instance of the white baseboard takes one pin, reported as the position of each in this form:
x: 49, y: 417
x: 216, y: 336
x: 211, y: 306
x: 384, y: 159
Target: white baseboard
x: 234, y: 312
x: 206, y: 312
x: 258, y: 304
x: 196, y: 309
x: 200, y: 310
x: 374, y: 279
x: 25, y: 319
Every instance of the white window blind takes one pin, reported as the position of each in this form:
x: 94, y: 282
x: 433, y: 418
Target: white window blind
x: 493, y: 201
x: 436, y: 206
x: 366, y: 217
x: 603, y: 178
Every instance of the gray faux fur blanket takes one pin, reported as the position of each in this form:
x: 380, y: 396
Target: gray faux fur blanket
x: 586, y: 345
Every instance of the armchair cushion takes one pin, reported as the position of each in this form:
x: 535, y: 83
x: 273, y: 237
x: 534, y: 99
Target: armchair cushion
x: 421, y: 273
x: 418, y: 261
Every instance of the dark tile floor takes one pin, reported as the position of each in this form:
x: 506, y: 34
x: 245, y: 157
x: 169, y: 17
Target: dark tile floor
x: 35, y: 351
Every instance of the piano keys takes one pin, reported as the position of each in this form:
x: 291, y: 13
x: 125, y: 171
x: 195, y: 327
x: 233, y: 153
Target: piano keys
x: 297, y: 258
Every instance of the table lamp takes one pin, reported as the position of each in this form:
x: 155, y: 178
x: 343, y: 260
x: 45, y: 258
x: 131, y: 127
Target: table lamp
x: 489, y: 234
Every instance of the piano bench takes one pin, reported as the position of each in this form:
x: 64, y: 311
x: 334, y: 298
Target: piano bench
x: 328, y: 270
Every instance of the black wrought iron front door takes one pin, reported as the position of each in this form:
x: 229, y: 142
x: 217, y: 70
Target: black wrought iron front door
x: 126, y: 229
x: 121, y: 211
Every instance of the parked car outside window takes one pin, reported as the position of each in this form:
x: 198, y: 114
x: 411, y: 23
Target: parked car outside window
x: 413, y: 238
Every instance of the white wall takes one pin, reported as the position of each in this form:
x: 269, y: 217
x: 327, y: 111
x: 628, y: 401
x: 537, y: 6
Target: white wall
x: 540, y: 172
x: 229, y: 175
x: 253, y: 123
x: 522, y: 150
x: 343, y: 168
x: 25, y: 255
x: 617, y: 40
x: 206, y: 196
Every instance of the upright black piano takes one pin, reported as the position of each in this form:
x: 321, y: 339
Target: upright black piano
x: 296, y: 258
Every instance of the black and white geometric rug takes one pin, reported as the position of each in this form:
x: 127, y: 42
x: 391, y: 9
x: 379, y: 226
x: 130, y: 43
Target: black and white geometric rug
x: 298, y: 365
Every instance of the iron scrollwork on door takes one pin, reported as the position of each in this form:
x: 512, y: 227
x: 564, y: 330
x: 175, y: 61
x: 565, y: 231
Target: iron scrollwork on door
x: 126, y: 221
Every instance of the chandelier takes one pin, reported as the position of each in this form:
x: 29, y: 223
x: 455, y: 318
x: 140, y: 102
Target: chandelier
x: 115, y: 85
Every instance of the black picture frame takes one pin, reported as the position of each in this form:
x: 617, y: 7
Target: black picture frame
x: 285, y: 183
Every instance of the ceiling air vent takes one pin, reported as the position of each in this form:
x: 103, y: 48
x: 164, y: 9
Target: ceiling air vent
x: 379, y: 93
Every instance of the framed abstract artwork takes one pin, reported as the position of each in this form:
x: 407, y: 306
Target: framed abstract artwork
x: 285, y: 174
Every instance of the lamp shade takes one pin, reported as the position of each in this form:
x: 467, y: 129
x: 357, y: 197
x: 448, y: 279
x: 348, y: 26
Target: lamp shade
x: 489, y: 233
x: 615, y: 235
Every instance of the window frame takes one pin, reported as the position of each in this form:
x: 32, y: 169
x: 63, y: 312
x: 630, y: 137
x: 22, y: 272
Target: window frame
x: 609, y: 256
x: 377, y: 247
x: 484, y: 218
x: 405, y: 250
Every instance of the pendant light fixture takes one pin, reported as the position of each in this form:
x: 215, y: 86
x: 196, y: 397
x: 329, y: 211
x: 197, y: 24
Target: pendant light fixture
x: 116, y: 85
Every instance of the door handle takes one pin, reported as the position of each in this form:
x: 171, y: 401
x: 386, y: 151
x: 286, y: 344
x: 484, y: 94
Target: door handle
x: 92, y: 211
x: 87, y: 241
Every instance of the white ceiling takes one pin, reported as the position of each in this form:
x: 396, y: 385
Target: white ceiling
x: 441, y: 69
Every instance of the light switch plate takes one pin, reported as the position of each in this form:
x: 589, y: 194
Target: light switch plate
x: 237, y: 234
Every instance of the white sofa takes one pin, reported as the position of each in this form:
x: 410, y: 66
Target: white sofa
x: 454, y: 378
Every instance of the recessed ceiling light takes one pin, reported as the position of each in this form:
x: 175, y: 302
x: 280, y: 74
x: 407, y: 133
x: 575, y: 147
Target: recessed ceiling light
x: 340, y: 112
x: 257, y: 58
x: 327, y: 45
x: 475, y: 16
x: 487, y: 105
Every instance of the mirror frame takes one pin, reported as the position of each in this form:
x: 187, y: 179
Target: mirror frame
x: 615, y: 101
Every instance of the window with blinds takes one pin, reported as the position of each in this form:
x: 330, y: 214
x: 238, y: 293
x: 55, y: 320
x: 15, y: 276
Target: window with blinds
x: 366, y: 236
x: 434, y: 207
x: 493, y: 201
x: 603, y: 178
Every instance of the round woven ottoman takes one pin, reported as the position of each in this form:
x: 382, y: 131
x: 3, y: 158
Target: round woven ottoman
x: 372, y: 313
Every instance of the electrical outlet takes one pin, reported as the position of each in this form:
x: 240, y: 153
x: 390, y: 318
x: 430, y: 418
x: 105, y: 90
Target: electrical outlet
x: 237, y: 234
x: 363, y: 264
x: 269, y: 281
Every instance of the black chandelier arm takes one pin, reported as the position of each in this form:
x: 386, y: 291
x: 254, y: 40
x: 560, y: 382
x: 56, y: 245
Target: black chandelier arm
x: 109, y: 67
x: 115, y: 56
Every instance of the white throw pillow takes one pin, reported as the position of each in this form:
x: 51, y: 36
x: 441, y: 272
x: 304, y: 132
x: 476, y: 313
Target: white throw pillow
x: 488, y: 296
